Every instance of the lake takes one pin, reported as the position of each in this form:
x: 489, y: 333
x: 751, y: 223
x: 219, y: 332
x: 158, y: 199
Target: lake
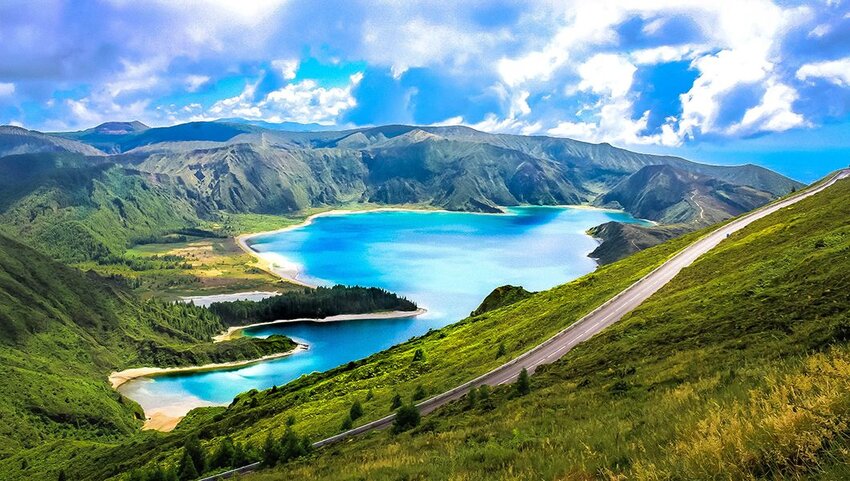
x: 446, y: 262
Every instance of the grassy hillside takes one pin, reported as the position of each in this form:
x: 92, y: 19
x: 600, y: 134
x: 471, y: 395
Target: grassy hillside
x: 77, y: 209
x: 731, y: 338
x: 65, y: 197
x: 738, y: 369
x: 320, y: 402
x: 64, y: 331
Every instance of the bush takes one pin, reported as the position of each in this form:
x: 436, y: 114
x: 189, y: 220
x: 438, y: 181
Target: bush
x: 523, y: 383
x: 270, y: 452
x: 356, y: 410
x: 419, y: 393
x: 418, y: 355
x: 396, y: 403
x: 347, y: 423
x: 407, y: 417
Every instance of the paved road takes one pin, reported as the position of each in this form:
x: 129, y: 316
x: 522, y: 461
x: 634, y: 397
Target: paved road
x: 612, y: 311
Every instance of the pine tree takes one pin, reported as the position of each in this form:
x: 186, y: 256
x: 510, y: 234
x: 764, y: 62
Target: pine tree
x: 419, y: 393
x: 187, y: 470
x: 502, y: 351
x: 270, y: 451
x: 396, y: 403
x: 223, y: 455
x: 523, y: 383
x: 471, y: 398
x: 346, y: 423
x: 407, y: 417
x: 356, y: 410
x: 196, y: 453
x: 418, y: 355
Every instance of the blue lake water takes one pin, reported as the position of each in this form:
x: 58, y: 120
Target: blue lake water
x: 446, y: 262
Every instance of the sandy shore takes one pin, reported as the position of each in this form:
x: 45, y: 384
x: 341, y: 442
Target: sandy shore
x: 120, y: 377
x: 232, y: 331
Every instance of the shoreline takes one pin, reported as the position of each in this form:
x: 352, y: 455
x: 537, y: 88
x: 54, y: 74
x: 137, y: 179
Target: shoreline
x: 232, y: 330
x: 119, y: 378
x: 289, y: 271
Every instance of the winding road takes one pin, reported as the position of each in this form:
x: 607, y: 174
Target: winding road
x: 608, y: 313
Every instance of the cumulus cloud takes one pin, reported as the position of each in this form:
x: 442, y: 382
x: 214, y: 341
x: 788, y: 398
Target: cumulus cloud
x: 835, y: 71
x: 572, y: 68
x: 304, y: 101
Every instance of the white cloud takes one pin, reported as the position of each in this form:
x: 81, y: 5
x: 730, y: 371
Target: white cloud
x: 773, y: 114
x: 305, y: 101
x: 607, y: 73
x: 449, y: 121
x: 287, y: 68
x: 585, y: 131
x: 136, y: 76
x: 835, y: 71
x: 194, y: 82
x: 6, y: 88
x: 402, y: 39
x: 666, y: 53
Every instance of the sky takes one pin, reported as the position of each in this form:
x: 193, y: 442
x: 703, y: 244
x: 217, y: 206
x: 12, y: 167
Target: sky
x: 717, y: 81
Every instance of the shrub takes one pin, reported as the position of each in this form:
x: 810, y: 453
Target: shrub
x: 407, y: 417
x: 396, y: 403
x: 418, y: 355
x: 356, y: 410
x: 419, y: 393
x: 523, y: 383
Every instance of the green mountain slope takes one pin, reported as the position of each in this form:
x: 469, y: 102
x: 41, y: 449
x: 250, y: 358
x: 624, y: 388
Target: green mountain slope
x: 744, y: 322
x: 76, y: 208
x: 64, y: 331
x: 16, y: 140
x: 737, y: 369
x: 159, y: 180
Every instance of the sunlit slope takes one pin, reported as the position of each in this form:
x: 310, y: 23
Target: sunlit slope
x: 739, y: 368
x: 64, y: 331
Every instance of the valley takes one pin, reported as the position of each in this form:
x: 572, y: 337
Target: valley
x: 166, y: 214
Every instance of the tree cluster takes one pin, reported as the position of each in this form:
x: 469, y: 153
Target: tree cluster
x: 312, y: 303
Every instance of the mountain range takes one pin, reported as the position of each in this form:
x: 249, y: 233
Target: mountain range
x: 201, y: 168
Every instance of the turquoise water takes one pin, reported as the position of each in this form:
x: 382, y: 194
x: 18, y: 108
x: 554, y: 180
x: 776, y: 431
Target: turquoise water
x: 446, y: 262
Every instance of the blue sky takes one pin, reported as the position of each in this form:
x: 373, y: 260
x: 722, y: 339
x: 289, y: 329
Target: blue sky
x: 725, y: 81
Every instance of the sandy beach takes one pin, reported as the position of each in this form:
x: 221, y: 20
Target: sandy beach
x: 232, y: 331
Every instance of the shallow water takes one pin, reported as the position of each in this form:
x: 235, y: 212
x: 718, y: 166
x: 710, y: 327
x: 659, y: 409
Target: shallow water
x: 446, y: 262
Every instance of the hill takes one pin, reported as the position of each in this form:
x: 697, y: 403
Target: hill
x: 77, y: 204
x: 16, y: 140
x: 734, y: 337
x: 737, y: 369
x: 670, y: 195
x: 77, y: 208
x: 64, y: 331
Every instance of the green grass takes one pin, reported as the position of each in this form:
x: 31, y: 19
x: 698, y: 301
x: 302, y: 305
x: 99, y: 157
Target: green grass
x: 721, y: 353
x: 737, y: 369
x: 319, y: 402
x: 64, y: 331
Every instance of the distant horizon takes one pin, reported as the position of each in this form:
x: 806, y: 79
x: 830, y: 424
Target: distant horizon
x: 805, y: 165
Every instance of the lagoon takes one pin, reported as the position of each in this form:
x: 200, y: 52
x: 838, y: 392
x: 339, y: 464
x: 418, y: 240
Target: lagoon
x: 447, y: 262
